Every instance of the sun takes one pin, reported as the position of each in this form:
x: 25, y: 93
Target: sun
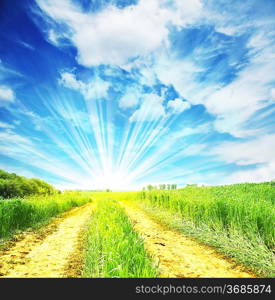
x: 115, y: 181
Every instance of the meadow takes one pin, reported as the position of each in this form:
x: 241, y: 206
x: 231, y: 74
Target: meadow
x: 236, y: 220
x: 244, y: 208
x: 19, y: 214
x: 113, y: 248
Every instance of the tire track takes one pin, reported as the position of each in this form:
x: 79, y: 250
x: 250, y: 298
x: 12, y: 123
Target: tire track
x: 44, y: 256
x: 177, y: 254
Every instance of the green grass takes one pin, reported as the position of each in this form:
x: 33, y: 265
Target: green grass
x: 252, y: 254
x: 20, y: 214
x: 248, y: 208
x: 113, y: 249
x: 236, y: 219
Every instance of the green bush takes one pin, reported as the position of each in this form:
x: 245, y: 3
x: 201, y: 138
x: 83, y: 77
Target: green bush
x: 12, y: 185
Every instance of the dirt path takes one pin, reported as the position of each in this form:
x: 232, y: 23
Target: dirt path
x: 49, y: 252
x: 179, y: 255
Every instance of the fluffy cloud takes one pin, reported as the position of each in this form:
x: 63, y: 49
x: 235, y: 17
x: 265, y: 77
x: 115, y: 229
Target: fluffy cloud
x: 187, y: 12
x: 110, y: 36
x: 177, y: 106
x: 150, y: 110
x: 257, y: 151
x: 180, y: 74
x: 125, y: 36
x: 234, y: 103
x: 6, y: 96
x: 95, y: 89
x: 254, y: 151
x: 115, y: 35
x: 260, y: 174
x: 69, y: 81
x: 136, y: 38
x: 129, y: 100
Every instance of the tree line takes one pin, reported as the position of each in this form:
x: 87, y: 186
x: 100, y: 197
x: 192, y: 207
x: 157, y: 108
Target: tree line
x: 161, y: 187
x: 12, y: 185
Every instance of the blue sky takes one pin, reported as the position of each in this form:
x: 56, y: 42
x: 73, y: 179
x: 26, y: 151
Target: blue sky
x: 119, y: 94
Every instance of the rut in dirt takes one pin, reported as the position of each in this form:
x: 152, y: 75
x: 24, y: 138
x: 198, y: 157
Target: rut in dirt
x: 179, y: 255
x: 54, y: 254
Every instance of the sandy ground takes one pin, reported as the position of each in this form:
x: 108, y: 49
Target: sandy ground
x: 53, y: 251
x: 179, y: 255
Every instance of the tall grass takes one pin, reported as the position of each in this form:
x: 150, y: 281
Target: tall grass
x: 20, y: 214
x: 246, y: 208
x: 237, y: 219
x: 113, y: 248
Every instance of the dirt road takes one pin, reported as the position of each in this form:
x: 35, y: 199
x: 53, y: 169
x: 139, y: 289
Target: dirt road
x: 56, y: 249
x: 179, y: 255
x: 52, y: 251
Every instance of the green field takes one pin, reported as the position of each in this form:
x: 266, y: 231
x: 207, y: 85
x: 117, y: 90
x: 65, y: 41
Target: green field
x: 113, y: 249
x: 23, y: 213
x: 236, y: 220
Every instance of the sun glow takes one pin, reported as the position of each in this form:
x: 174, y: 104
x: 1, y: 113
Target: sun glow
x: 114, y: 181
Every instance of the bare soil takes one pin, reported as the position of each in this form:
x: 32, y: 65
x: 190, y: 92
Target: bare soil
x: 52, y: 251
x: 179, y: 255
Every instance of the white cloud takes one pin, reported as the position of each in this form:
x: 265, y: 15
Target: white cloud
x: 95, y: 89
x: 147, y: 76
x: 257, y: 151
x: 6, y: 96
x: 69, y: 81
x: 254, y: 151
x: 115, y: 35
x: 193, y: 150
x: 260, y: 174
x: 187, y: 131
x: 4, y: 125
x: 137, y: 34
x: 6, y: 73
x: 54, y: 37
x: 31, y: 153
x: 187, y: 12
x: 235, y: 103
x: 129, y: 100
x: 110, y: 36
x: 228, y: 30
x: 180, y: 74
x: 151, y: 109
x: 10, y: 137
x: 178, y: 106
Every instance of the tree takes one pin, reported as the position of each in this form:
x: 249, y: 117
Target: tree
x: 12, y: 185
x: 150, y: 187
x: 191, y: 185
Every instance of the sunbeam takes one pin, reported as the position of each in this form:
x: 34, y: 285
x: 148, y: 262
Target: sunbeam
x: 157, y: 94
